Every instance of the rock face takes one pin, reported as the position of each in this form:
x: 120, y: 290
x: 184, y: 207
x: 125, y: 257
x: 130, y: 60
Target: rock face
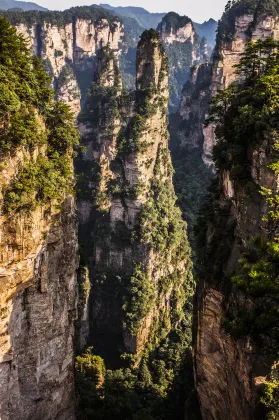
x: 228, y: 54
x: 240, y: 366
x: 193, y: 106
x: 69, y: 50
x: 38, y: 242
x: 184, y: 48
x: 183, y: 33
x: 38, y: 254
x: 130, y: 174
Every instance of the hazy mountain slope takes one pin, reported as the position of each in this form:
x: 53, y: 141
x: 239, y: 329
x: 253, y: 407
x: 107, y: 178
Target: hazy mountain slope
x: 151, y: 20
x: 10, y: 4
x: 146, y: 19
x: 208, y: 30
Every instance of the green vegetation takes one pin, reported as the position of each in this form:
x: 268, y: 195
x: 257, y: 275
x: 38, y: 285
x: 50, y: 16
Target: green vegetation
x: 161, y: 222
x: 31, y: 120
x: 270, y: 398
x: 246, y: 112
x: 103, y: 102
x: 155, y: 390
x: 93, y: 13
x: 139, y: 301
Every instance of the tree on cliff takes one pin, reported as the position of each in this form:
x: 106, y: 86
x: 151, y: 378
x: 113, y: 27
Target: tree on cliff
x: 30, y: 119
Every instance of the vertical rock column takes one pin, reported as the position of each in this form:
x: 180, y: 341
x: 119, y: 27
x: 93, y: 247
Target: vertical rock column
x: 138, y: 257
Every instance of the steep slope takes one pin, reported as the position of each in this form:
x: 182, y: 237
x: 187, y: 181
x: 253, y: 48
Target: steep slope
x: 38, y: 245
x: 138, y: 257
x: 236, y: 336
x: 24, y: 5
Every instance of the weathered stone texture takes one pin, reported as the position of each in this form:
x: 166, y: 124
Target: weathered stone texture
x: 38, y: 263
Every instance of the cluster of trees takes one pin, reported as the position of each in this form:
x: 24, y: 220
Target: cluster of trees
x: 156, y: 389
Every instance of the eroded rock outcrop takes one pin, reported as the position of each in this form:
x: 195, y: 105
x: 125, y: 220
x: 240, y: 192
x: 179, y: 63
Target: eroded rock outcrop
x: 184, y: 48
x: 175, y: 28
x: 196, y: 95
x: 38, y: 310
x: 240, y: 366
x: 140, y: 257
x: 238, y: 26
x: 68, y: 43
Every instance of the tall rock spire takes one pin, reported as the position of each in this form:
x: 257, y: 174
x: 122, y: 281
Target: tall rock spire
x: 138, y: 259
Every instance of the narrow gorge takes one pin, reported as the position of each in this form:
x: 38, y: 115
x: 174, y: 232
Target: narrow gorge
x: 139, y: 214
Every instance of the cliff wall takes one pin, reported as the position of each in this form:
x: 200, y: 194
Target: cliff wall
x: 38, y: 241
x: 234, y: 355
x: 38, y: 310
x: 241, y: 366
x: 184, y: 48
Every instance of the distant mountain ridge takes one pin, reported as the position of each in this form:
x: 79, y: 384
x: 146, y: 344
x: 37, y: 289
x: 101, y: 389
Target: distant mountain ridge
x: 25, y: 6
x: 144, y: 18
x: 151, y: 20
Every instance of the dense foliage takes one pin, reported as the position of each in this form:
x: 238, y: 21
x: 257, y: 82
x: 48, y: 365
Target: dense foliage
x: 244, y: 113
x: 155, y: 390
x: 93, y: 13
x: 31, y: 120
x: 270, y: 398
